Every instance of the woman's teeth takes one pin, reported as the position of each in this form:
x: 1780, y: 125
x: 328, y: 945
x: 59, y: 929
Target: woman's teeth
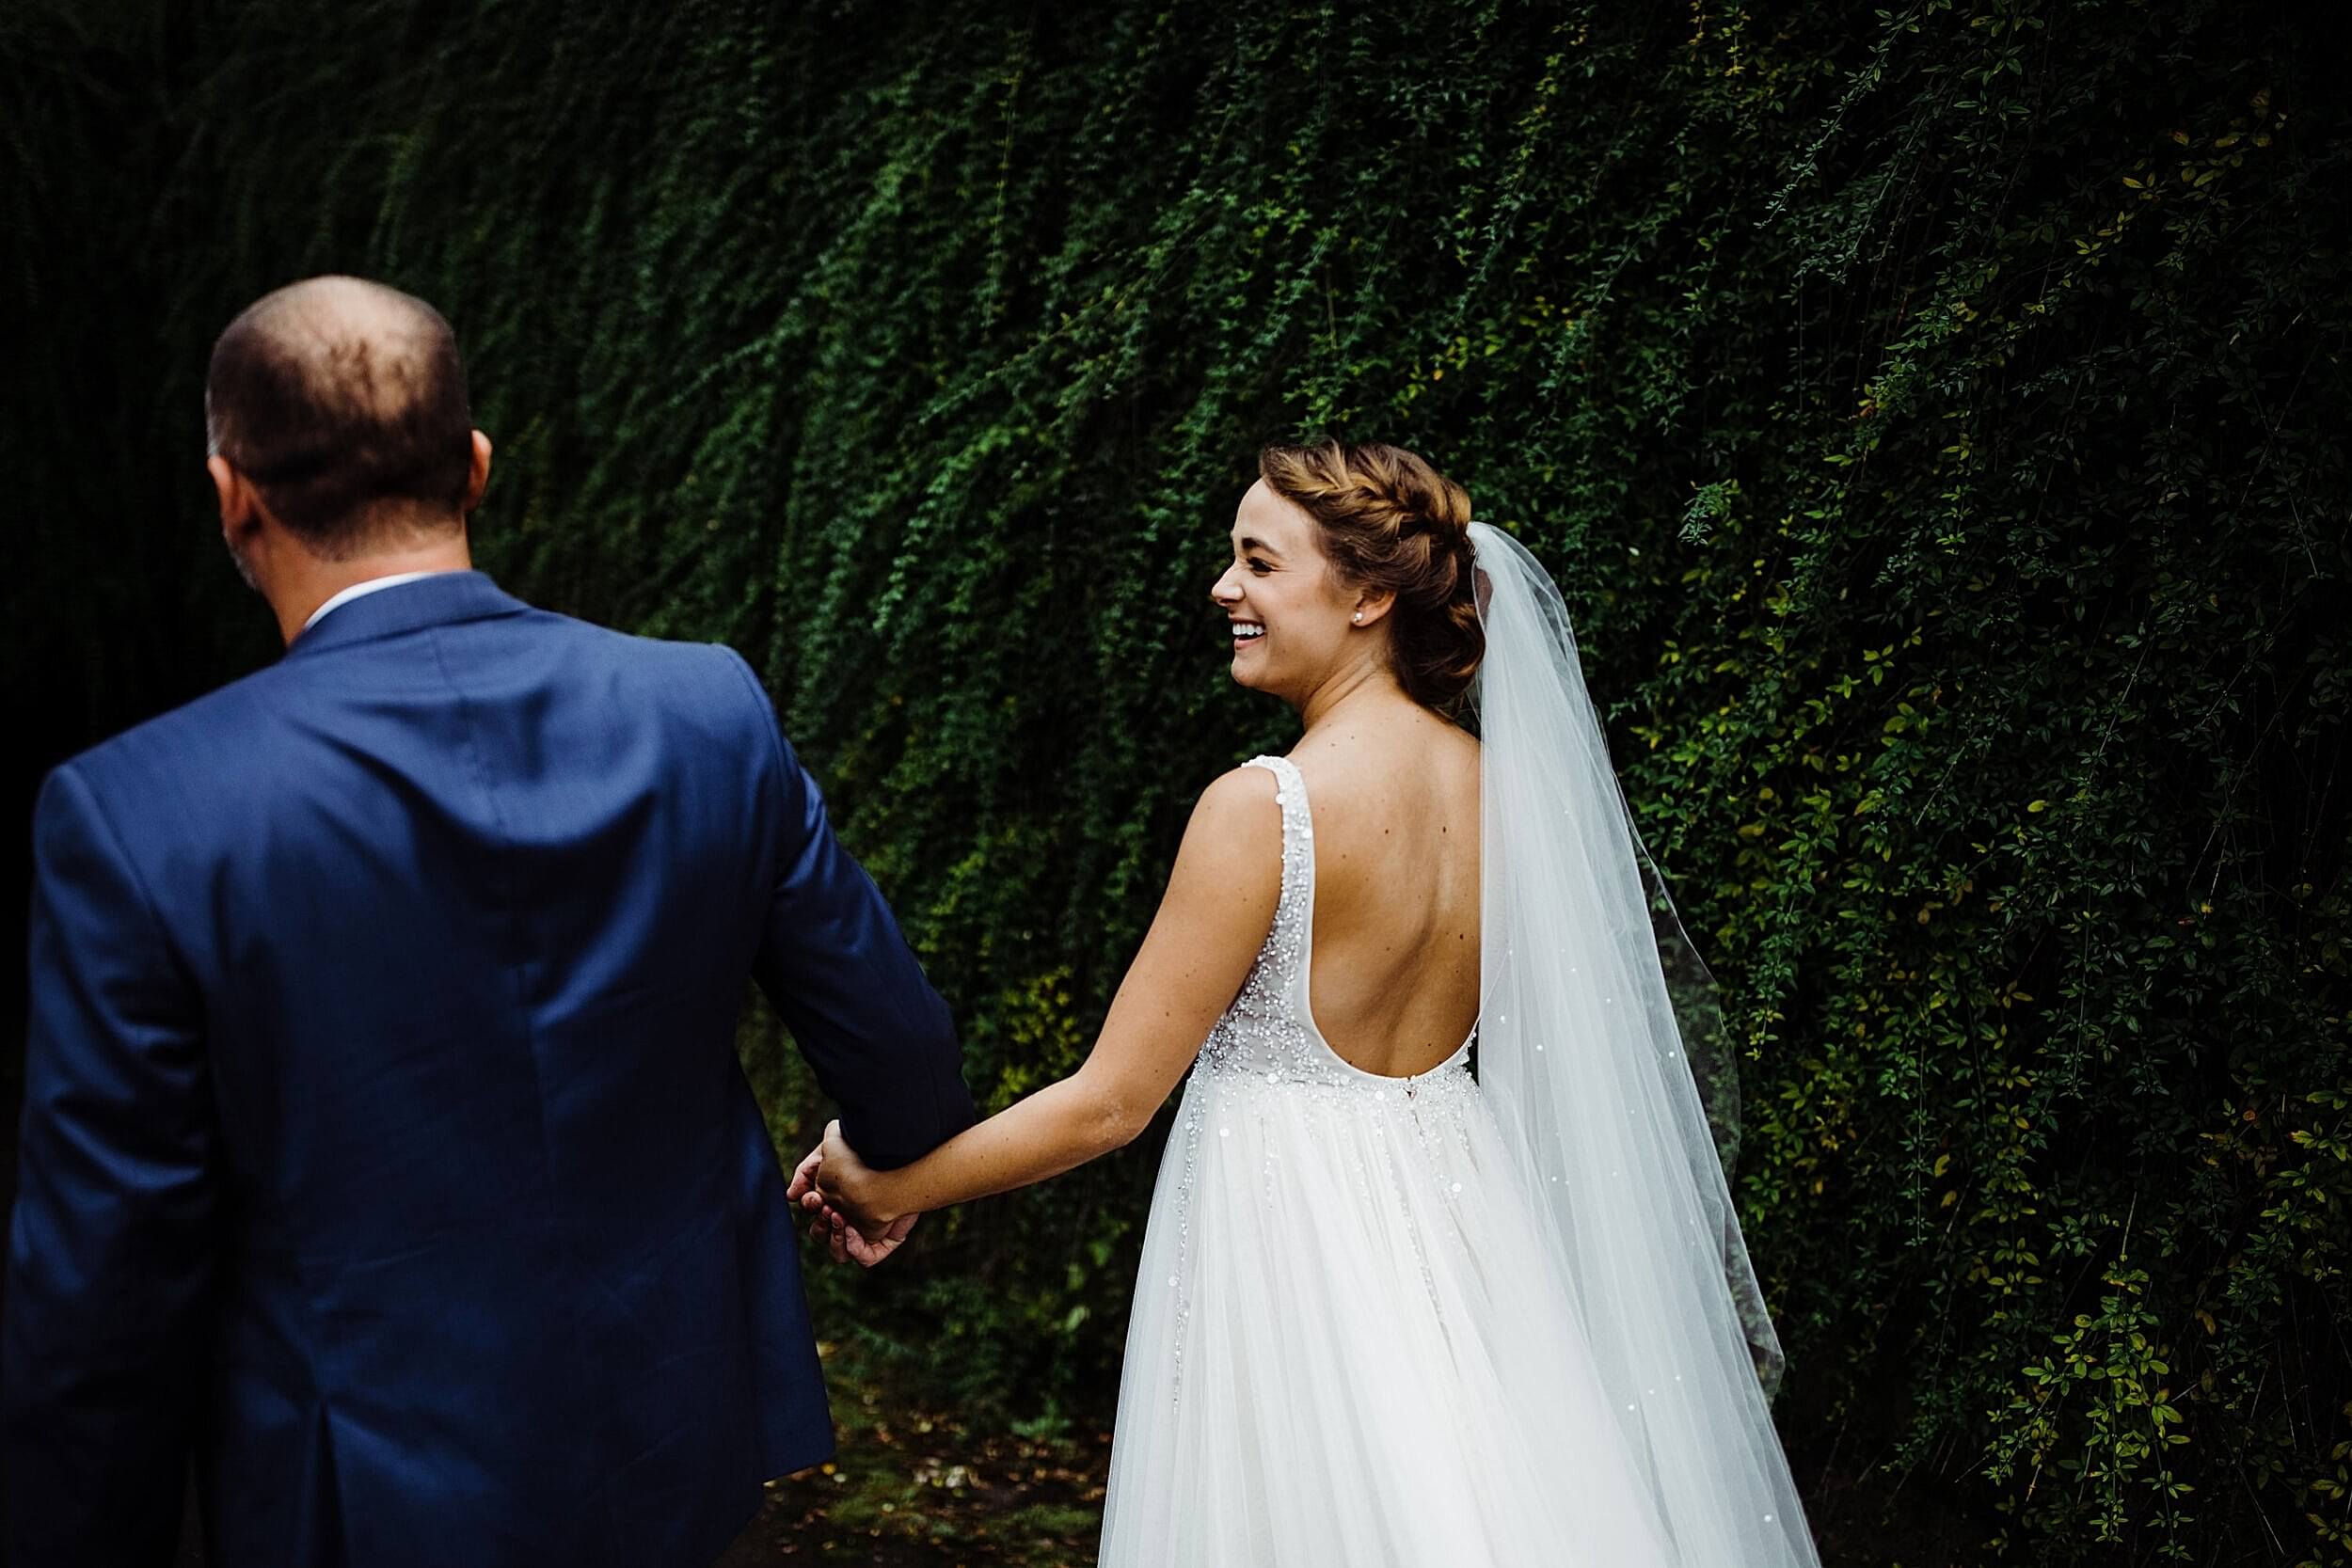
x: 1247, y: 631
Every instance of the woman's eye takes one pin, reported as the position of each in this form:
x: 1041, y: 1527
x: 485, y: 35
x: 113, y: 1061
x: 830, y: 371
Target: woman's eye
x: 1260, y: 567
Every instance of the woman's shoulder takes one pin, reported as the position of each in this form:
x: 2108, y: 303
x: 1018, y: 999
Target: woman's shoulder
x: 1239, y: 799
x: 1369, y: 761
x: 1233, y: 843
x: 1244, y: 784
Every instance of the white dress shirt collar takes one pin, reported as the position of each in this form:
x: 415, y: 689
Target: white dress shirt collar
x: 360, y: 590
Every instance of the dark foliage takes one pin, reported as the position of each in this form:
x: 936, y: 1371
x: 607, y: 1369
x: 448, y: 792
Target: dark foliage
x: 1935, y: 416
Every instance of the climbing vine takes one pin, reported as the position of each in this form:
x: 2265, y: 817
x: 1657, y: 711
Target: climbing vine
x: 1933, y: 414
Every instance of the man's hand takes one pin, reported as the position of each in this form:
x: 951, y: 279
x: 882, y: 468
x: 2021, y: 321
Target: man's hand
x: 846, y: 1242
x: 863, y: 1195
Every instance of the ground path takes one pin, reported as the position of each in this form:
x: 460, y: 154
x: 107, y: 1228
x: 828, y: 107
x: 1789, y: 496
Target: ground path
x: 911, y: 1487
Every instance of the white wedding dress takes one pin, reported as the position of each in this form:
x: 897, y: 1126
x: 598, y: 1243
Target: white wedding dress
x: 1456, y: 1322
x: 1350, y: 1346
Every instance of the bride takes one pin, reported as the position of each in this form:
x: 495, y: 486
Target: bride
x: 1393, y: 1310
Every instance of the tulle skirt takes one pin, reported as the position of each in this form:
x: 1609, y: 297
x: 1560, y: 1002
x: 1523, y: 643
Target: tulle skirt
x: 1348, y: 1347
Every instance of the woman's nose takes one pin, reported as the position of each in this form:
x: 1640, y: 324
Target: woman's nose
x: 1224, y: 590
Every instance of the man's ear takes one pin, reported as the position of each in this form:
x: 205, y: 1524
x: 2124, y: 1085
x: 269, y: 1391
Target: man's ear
x: 240, y: 507
x: 1370, y: 606
x: 478, y: 472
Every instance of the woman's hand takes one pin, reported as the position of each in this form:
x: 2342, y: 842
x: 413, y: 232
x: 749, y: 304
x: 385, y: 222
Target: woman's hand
x: 854, y: 1189
x: 846, y: 1241
x: 1221, y: 898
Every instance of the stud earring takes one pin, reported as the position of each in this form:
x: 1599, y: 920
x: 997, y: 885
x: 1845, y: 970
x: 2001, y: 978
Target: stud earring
x: 1357, y: 616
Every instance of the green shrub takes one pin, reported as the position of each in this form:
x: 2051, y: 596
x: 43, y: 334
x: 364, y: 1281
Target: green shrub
x: 1935, y: 417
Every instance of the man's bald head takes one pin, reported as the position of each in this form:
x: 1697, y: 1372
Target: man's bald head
x: 344, y: 403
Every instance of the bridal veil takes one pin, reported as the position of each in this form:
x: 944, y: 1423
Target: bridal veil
x: 1604, y: 1057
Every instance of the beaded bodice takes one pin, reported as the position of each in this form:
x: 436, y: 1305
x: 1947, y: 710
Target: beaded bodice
x: 1267, y: 1072
x: 1268, y: 1035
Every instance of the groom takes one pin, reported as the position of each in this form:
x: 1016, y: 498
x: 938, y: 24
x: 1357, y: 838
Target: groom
x: 385, y: 1151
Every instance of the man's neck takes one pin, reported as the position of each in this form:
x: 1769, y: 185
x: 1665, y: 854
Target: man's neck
x: 313, y: 581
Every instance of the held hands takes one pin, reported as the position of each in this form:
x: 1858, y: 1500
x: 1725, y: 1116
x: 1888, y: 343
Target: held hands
x: 837, y: 1189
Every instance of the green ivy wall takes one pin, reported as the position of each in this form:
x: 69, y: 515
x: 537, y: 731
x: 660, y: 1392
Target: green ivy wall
x: 1935, y: 415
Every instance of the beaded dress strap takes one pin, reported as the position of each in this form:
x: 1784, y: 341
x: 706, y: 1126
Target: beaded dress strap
x: 1298, y: 832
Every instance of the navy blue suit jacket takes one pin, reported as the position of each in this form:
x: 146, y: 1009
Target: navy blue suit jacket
x: 385, y: 1146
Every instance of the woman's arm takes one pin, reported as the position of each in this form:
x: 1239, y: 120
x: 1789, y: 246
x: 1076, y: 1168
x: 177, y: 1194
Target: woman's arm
x: 1212, y: 921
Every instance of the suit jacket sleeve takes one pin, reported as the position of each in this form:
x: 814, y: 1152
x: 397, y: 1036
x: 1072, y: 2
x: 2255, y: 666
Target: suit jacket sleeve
x: 839, y: 972
x: 110, y: 1254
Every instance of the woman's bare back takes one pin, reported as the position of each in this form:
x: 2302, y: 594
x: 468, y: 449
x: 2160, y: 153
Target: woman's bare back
x: 1394, y: 800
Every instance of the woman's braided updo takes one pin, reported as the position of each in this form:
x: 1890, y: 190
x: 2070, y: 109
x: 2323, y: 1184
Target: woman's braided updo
x: 1392, y: 523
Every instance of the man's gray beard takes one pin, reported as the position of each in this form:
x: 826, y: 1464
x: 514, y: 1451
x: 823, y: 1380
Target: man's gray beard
x: 244, y: 567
